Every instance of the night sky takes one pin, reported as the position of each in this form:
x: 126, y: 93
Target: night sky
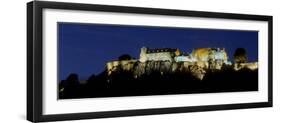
x: 85, y: 48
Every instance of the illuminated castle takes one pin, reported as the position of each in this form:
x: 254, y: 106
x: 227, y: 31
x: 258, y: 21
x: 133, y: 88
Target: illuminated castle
x: 168, y: 54
x: 165, y: 54
x: 170, y: 60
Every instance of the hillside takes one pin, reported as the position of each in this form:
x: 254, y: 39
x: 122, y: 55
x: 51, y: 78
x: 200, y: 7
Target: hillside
x: 160, y: 78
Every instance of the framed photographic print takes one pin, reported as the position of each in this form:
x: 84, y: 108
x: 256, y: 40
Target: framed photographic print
x: 96, y: 61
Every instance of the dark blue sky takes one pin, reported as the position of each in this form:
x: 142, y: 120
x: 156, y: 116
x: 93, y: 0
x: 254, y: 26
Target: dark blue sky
x: 85, y: 48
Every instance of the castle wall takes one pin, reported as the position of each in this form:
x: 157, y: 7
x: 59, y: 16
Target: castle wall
x: 161, y: 56
x: 201, y: 54
x: 206, y: 54
x: 184, y: 59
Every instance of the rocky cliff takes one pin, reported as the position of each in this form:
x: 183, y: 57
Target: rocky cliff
x: 163, y: 67
x: 197, y: 69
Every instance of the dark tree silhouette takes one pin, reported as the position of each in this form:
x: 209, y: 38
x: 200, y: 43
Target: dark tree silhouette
x: 240, y: 55
x: 91, y: 78
x: 73, y: 79
x: 155, y: 82
x: 125, y: 57
x: 68, y: 88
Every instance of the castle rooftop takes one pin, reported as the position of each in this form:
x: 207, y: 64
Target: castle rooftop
x: 160, y: 50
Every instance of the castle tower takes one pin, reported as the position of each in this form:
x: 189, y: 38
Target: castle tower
x: 177, y: 52
x: 143, y: 57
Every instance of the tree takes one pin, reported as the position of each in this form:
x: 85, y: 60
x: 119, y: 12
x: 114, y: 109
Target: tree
x: 240, y: 55
x: 73, y: 79
x: 125, y: 57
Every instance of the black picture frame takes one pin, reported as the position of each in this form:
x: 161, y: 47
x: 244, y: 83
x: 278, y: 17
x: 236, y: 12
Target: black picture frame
x: 34, y: 60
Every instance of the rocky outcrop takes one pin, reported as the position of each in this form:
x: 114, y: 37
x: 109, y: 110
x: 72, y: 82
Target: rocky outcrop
x: 141, y: 68
x: 251, y: 66
x: 197, y: 69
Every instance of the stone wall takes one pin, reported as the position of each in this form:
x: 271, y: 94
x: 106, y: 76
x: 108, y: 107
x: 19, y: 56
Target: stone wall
x: 208, y: 54
x: 161, y: 56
